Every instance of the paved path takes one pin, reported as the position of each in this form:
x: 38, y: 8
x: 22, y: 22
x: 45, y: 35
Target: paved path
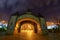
x: 31, y: 36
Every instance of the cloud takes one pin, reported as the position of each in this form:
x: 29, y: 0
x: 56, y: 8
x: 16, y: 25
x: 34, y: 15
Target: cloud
x: 11, y: 6
x: 2, y: 3
x: 19, y: 5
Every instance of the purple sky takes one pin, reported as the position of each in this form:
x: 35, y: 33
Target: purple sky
x: 47, y: 8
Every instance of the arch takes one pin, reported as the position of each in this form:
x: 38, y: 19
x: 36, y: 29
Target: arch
x: 28, y: 16
x: 27, y: 26
x: 30, y: 20
x: 16, y: 20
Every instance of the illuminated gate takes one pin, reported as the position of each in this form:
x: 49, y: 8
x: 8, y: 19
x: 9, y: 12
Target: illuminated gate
x: 24, y: 21
x: 27, y: 27
x: 16, y: 21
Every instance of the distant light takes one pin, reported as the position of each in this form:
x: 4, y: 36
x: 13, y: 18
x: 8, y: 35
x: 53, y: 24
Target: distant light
x: 52, y: 26
x: 3, y: 21
x: 0, y: 23
x: 52, y: 23
x: 0, y: 26
x: 49, y: 27
x: 5, y: 25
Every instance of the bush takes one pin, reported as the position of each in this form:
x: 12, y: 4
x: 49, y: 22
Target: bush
x: 2, y: 30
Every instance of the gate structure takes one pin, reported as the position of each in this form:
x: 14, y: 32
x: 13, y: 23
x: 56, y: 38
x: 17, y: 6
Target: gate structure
x: 16, y: 20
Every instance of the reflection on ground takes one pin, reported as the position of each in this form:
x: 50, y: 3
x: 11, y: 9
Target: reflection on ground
x: 24, y: 35
x: 30, y: 35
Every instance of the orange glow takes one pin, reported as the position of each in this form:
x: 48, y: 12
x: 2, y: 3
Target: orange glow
x: 28, y: 32
x: 3, y: 21
x: 18, y: 22
x: 49, y: 23
x: 27, y: 26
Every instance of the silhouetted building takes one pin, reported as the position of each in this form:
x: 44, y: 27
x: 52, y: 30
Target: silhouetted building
x: 16, y: 20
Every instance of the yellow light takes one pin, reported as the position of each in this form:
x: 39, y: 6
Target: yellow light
x: 29, y: 33
x: 49, y: 23
x: 3, y: 21
x: 28, y: 25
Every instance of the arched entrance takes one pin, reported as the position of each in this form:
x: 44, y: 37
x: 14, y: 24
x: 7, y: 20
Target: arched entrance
x: 27, y: 23
x: 17, y: 21
x: 25, y: 27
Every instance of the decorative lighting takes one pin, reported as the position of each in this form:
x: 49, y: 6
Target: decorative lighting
x: 52, y: 26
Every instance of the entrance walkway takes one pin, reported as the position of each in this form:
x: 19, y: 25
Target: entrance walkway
x: 31, y: 36
x: 24, y: 35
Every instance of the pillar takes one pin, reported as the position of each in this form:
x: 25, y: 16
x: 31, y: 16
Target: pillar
x: 11, y: 24
x: 43, y: 26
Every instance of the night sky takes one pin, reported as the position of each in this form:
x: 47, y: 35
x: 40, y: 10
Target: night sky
x: 48, y: 8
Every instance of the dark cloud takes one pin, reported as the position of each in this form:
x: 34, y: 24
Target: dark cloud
x: 14, y: 5
x: 45, y: 7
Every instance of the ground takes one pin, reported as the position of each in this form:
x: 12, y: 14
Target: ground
x: 31, y: 36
